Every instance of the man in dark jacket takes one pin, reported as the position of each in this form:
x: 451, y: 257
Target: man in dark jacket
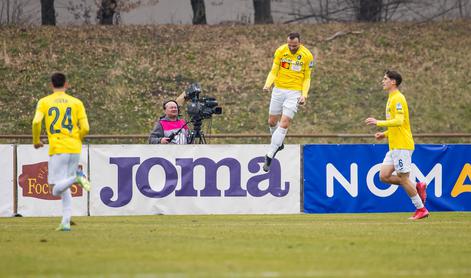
x: 170, y: 129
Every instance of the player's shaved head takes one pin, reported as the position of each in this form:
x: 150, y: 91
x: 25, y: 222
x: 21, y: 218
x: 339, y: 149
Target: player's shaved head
x: 294, y: 35
x: 293, y: 42
x: 58, y: 80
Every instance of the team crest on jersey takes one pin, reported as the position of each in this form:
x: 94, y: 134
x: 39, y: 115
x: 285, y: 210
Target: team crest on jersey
x: 399, y: 106
x: 285, y: 65
x: 299, y: 57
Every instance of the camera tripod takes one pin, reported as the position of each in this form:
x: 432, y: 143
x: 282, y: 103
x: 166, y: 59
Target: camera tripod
x: 197, y: 135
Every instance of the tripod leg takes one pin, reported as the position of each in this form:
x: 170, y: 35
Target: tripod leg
x: 191, y: 139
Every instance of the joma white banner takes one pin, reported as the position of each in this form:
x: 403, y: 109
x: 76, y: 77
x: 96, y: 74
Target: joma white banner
x: 192, y: 179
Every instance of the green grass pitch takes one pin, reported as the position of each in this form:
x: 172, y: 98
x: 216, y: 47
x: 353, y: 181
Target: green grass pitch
x: 299, y: 245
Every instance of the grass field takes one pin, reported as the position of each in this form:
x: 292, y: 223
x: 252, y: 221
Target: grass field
x: 123, y: 74
x: 304, y: 245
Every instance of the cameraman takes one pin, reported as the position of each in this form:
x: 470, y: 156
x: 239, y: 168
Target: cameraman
x: 170, y: 129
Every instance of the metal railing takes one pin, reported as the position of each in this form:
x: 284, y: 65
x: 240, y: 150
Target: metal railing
x: 252, y: 135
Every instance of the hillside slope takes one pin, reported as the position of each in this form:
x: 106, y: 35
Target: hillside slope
x: 123, y: 74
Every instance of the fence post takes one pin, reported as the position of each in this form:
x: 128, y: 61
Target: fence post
x: 15, y: 182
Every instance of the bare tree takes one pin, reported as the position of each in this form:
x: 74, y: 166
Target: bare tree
x: 377, y: 10
x: 107, y: 11
x: 8, y: 10
x: 389, y: 9
x: 369, y: 10
x: 80, y: 10
x: 262, y: 12
x: 15, y: 12
x: 48, y: 13
x: 464, y: 8
x: 324, y: 10
x: 199, y: 11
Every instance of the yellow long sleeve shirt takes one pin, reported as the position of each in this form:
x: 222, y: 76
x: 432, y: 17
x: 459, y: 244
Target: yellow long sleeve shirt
x: 397, y: 121
x: 65, y: 120
x: 291, y: 71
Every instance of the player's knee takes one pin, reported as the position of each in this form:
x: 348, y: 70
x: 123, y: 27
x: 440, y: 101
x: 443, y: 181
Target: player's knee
x: 272, y: 122
x: 55, y: 191
x: 284, y: 123
x: 404, y: 178
x: 384, y: 178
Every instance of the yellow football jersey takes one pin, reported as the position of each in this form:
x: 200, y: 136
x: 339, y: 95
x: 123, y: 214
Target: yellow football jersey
x: 66, y: 122
x: 397, y: 121
x: 291, y: 71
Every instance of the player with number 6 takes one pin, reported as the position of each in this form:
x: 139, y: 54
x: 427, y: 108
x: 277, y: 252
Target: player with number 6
x: 401, y: 144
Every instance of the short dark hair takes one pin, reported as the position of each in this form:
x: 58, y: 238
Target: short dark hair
x: 394, y: 75
x: 294, y: 35
x: 58, y: 80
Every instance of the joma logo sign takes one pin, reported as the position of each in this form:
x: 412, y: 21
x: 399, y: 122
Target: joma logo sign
x: 126, y: 179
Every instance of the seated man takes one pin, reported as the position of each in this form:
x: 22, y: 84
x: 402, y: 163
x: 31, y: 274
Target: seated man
x: 170, y: 129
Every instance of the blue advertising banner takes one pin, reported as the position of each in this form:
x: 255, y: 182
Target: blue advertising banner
x: 345, y: 179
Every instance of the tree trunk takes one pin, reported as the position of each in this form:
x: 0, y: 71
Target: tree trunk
x: 48, y: 13
x: 8, y: 11
x: 107, y: 11
x: 262, y: 12
x: 370, y: 10
x: 199, y: 12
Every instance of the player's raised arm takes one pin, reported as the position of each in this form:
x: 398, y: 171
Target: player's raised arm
x: 273, y: 72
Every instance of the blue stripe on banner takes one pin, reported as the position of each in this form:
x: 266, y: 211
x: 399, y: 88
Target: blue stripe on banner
x: 345, y: 179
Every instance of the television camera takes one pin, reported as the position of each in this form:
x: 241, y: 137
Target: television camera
x: 199, y: 109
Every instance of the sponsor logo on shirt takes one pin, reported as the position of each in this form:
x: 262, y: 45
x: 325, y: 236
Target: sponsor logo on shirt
x: 294, y: 65
x: 399, y: 106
